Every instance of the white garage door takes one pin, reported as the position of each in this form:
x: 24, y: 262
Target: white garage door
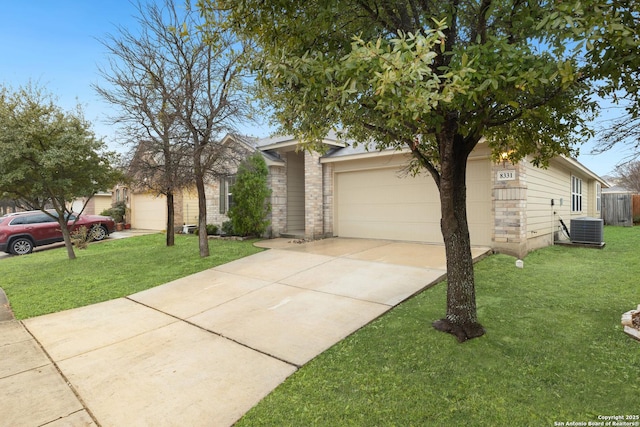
x: 384, y: 203
x: 148, y: 212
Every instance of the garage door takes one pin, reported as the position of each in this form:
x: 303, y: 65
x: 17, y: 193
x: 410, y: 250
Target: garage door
x: 148, y: 212
x: 384, y: 203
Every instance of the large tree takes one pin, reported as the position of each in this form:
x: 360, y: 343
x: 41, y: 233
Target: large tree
x: 433, y: 77
x: 49, y: 157
x: 181, y: 89
x: 142, y: 82
x: 608, y: 33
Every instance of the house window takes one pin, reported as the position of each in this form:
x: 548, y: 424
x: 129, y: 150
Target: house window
x: 117, y: 195
x: 226, y: 195
x: 598, y: 196
x: 576, y: 194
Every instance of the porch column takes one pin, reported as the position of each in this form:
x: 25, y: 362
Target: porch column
x: 509, y: 201
x: 278, y: 185
x: 313, y: 196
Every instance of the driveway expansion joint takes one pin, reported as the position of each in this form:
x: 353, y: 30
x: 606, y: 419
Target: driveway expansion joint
x: 217, y: 334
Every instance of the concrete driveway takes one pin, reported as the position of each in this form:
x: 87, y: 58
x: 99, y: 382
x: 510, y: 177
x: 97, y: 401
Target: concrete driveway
x: 204, y: 349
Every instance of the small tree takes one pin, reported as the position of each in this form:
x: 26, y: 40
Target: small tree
x: 628, y: 175
x: 251, y: 206
x: 49, y: 157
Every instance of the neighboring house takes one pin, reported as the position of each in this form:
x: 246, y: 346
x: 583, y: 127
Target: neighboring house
x: 8, y: 206
x: 96, y: 205
x: 148, y: 210
x: 357, y: 193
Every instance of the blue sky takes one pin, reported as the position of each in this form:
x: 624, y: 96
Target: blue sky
x: 55, y: 44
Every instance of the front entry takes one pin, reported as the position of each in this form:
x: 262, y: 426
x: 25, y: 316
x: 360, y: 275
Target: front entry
x: 295, y: 193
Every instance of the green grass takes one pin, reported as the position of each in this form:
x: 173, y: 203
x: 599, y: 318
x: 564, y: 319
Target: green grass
x: 554, y: 352
x: 46, y: 282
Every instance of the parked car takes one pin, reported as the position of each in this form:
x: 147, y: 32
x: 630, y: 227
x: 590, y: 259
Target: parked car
x: 20, y: 232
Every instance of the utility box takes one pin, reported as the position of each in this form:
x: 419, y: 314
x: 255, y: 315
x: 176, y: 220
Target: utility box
x: 587, y: 230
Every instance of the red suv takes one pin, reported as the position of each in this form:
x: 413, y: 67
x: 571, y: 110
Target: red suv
x: 20, y: 232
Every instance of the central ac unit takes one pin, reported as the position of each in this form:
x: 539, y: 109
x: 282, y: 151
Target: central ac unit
x: 587, y: 230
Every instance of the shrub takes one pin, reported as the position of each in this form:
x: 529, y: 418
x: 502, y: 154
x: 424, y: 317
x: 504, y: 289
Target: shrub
x: 227, y: 228
x: 251, y: 205
x: 212, y: 229
x: 81, y: 237
x: 116, y: 212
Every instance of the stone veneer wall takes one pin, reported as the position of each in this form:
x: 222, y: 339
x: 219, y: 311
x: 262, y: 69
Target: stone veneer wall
x: 327, y: 198
x: 313, y: 203
x: 509, y: 202
x: 212, y: 191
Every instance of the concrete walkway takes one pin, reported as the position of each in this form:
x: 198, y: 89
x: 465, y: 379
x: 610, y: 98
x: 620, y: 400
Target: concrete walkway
x: 204, y: 349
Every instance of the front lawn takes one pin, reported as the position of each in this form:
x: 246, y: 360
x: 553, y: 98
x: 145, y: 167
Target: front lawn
x: 46, y: 282
x: 554, y: 352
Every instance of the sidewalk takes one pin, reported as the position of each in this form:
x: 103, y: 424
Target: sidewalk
x: 204, y: 349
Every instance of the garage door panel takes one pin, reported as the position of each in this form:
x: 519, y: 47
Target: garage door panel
x: 384, y: 204
x: 148, y: 211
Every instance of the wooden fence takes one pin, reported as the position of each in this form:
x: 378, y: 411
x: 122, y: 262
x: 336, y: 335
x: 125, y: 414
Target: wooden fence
x: 635, y: 207
x: 617, y: 209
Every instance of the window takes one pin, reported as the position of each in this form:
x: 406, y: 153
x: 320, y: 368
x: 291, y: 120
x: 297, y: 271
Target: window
x: 598, y: 197
x: 576, y: 194
x: 226, y: 196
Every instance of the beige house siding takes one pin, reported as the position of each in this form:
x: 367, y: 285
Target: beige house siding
x: 544, y: 219
x: 542, y: 225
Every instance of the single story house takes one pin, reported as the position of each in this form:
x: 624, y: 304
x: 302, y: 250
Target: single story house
x: 352, y: 192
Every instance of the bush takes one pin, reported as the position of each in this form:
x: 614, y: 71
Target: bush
x: 116, y: 212
x: 81, y: 237
x: 212, y: 229
x: 251, y: 205
x: 227, y: 228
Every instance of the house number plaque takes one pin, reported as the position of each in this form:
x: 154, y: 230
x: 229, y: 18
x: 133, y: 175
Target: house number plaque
x: 506, y: 175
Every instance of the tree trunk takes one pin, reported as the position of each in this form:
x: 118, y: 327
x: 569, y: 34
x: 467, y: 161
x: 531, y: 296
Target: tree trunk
x: 203, y: 240
x: 170, y: 219
x: 462, y: 317
x: 67, y: 238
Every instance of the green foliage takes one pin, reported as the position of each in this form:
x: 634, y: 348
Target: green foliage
x: 212, y: 230
x: 397, y: 76
x: 45, y: 282
x: 555, y: 352
x: 251, y: 197
x: 117, y: 212
x: 48, y: 155
x: 607, y: 35
x: 227, y: 228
